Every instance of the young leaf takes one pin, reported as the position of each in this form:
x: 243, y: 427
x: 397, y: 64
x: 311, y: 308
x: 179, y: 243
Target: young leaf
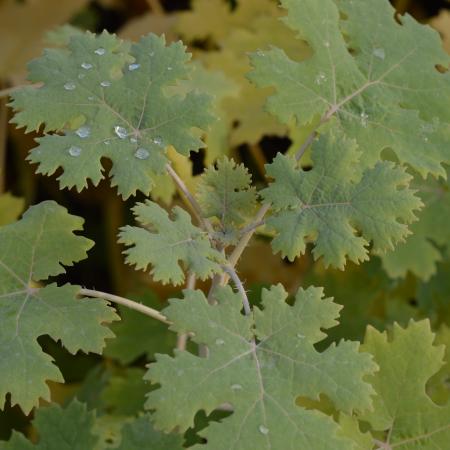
x: 382, y: 95
x: 259, y: 364
x: 226, y: 193
x: 407, y: 359
x: 59, y: 429
x: 109, y: 100
x: 336, y: 199
x: 31, y: 251
x: 169, y: 243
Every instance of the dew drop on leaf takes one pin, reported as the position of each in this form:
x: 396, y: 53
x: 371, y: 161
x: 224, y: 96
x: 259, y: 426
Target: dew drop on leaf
x: 81, y: 76
x: 142, y: 153
x: 169, y: 68
x: 220, y: 342
x: 263, y: 429
x: 134, y: 66
x: 107, y: 142
x: 74, y: 151
x: 379, y: 53
x: 364, y: 118
x: 100, y: 51
x: 105, y: 83
x: 300, y: 336
x: 133, y: 140
x: 121, y: 132
x: 158, y: 140
x: 321, y: 78
x: 86, y: 65
x: 83, y: 132
x: 90, y: 98
x: 70, y: 86
x: 236, y: 387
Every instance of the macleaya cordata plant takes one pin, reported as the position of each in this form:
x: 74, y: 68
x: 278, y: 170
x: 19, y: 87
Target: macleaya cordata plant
x: 372, y: 82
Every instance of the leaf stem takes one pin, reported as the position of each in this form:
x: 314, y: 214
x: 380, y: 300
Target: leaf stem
x: 197, y: 210
x: 240, y: 287
x: 153, y: 313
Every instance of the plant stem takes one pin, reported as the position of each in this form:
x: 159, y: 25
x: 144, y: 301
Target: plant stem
x: 153, y: 313
x: 240, y: 287
x: 156, y: 7
x: 190, y: 198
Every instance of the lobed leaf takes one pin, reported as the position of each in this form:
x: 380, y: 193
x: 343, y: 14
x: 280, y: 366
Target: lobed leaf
x: 105, y: 98
x: 337, y: 204
x: 167, y: 244
x: 32, y: 250
x: 259, y: 364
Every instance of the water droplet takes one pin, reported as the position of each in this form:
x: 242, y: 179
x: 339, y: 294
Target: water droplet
x: 220, y: 342
x: 379, y: 53
x: 90, y: 98
x: 83, y: 132
x: 425, y: 139
x: 152, y: 53
x: 70, y: 86
x: 260, y: 53
x: 81, y: 76
x: 158, y: 140
x: 300, y: 336
x: 263, y: 429
x: 133, y: 140
x: 74, y: 151
x: 142, y: 153
x: 134, y: 66
x: 100, y: 51
x: 326, y: 44
x: 105, y: 83
x: 236, y: 387
x: 364, y: 118
x: 170, y: 68
x: 86, y: 65
x: 121, y: 132
x: 107, y: 142
x: 321, y: 78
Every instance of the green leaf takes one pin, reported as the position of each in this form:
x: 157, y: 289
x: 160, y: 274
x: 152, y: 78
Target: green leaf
x: 167, y: 244
x: 136, y: 335
x: 407, y: 359
x: 59, y: 429
x: 140, y: 435
x: 259, y: 364
x: 32, y: 250
x: 10, y: 208
x: 225, y: 192
x: 419, y: 254
x: 375, y: 77
x: 335, y: 201
x: 107, y: 99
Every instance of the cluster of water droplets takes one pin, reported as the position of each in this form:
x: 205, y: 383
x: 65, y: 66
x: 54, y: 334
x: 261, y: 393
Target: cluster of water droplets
x: 379, y: 53
x: 321, y: 78
x: 364, y: 119
x: 70, y: 86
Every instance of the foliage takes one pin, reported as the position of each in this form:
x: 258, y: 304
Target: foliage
x: 238, y: 360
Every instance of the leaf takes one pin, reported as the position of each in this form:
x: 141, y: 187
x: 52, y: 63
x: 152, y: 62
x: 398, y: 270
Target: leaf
x: 10, y: 208
x: 32, y: 250
x: 382, y: 95
x: 419, y: 253
x: 169, y: 243
x: 337, y: 204
x: 136, y: 335
x: 407, y: 359
x: 259, y: 364
x: 107, y: 99
x: 140, y: 435
x: 59, y: 429
x: 225, y: 192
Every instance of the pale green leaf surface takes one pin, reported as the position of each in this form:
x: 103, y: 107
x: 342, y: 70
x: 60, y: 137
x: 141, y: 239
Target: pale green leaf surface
x: 135, y: 335
x: 382, y: 95
x: 407, y: 359
x: 31, y: 250
x: 259, y: 364
x: 225, y: 192
x: 419, y: 254
x: 87, y: 95
x: 59, y: 429
x: 168, y: 243
x: 337, y: 199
